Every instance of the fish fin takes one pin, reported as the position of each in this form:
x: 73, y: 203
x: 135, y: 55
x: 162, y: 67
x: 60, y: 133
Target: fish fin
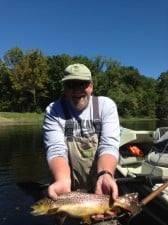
x: 52, y: 211
x: 86, y: 219
x: 59, y: 219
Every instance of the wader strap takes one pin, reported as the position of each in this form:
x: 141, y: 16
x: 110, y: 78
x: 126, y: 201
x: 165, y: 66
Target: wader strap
x: 96, y: 118
x: 69, y: 123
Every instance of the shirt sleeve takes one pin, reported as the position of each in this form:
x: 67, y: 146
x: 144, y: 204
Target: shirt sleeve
x: 53, y: 132
x: 110, y: 133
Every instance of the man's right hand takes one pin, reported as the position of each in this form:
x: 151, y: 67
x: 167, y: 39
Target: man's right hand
x: 58, y: 187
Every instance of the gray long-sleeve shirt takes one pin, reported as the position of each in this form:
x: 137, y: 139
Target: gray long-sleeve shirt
x: 54, y: 127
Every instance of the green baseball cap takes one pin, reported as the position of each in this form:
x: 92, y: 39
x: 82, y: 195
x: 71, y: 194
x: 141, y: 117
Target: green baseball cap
x: 77, y: 72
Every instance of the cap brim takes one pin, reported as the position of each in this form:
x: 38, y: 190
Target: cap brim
x: 76, y: 78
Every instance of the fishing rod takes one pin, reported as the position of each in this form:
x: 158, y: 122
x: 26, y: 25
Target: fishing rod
x: 127, y: 218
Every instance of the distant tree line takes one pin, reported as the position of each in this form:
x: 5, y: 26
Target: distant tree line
x: 29, y: 81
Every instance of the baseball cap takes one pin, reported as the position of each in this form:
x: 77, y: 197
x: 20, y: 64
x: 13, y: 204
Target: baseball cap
x: 77, y: 72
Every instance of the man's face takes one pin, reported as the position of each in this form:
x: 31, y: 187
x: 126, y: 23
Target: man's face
x: 78, y: 93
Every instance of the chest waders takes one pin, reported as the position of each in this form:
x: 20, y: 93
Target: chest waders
x: 82, y: 151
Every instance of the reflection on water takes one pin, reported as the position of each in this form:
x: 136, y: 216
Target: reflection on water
x: 144, y: 124
x: 22, y: 158
x: 21, y: 153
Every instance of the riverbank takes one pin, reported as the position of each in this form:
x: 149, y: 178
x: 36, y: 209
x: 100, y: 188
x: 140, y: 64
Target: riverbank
x: 12, y: 117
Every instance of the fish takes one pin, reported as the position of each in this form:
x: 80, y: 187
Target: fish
x: 84, y: 205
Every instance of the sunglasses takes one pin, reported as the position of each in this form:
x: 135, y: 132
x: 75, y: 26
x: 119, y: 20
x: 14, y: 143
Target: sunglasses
x: 77, y: 84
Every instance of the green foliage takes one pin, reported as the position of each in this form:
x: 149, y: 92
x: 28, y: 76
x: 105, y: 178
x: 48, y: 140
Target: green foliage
x: 30, y: 81
x: 13, y: 56
x: 5, y: 88
x: 56, y: 65
x: 162, y: 91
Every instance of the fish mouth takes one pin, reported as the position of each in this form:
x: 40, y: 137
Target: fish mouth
x: 36, y: 212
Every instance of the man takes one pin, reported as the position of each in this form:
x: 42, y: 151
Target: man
x: 84, y: 158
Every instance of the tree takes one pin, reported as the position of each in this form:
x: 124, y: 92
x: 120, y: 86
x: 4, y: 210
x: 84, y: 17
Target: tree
x: 147, y: 97
x: 5, y: 88
x: 29, y: 78
x: 13, y: 56
x: 56, y: 65
x: 29, y: 81
x: 162, y: 91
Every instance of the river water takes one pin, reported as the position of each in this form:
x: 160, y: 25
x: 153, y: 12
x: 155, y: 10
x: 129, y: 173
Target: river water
x: 22, y: 159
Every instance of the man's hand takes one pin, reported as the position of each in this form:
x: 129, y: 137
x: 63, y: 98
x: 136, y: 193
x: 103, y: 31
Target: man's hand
x: 57, y: 188
x: 62, y: 177
x: 106, y: 185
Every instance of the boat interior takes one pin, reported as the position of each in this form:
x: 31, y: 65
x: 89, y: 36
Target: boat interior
x: 148, y: 142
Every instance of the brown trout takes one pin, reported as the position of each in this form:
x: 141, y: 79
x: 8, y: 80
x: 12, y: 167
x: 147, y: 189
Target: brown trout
x: 84, y: 205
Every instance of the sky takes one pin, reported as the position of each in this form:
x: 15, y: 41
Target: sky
x: 132, y: 32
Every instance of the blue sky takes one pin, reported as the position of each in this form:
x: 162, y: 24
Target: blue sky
x: 133, y: 32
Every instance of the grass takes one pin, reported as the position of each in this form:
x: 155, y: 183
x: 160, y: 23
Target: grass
x: 22, y: 117
x: 38, y: 117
